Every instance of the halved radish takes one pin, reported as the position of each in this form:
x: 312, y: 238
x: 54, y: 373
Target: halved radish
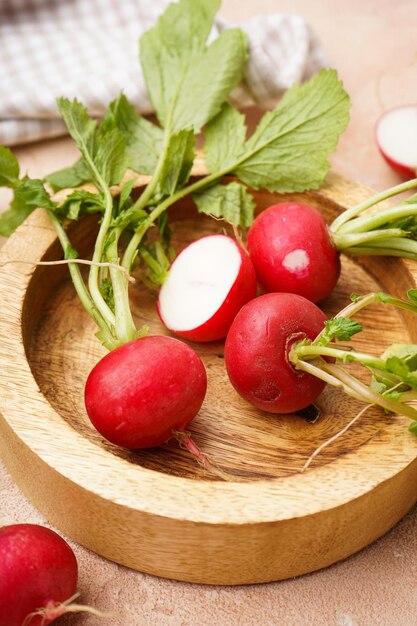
x: 208, y: 283
x: 396, y: 136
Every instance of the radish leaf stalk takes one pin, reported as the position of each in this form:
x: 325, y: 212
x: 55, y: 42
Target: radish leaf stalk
x: 394, y: 372
x: 388, y: 231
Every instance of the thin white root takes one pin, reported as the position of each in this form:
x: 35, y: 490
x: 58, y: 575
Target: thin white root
x: 334, y: 437
x: 239, y: 238
x: 53, y: 611
x: 186, y: 442
x: 78, y: 261
x: 75, y: 608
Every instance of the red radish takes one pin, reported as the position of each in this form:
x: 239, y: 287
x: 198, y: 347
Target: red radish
x: 291, y: 248
x: 142, y: 391
x: 294, y: 251
x: 38, y: 571
x: 396, y: 136
x: 209, y: 281
x: 257, y: 349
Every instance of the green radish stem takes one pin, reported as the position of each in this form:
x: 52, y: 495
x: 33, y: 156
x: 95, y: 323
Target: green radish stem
x: 131, y: 249
x: 307, y: 356
x: 106, y: 334
x: 93, y: 279
x: 124, y: 325
x: 375, y: 199
x: 382, y: 232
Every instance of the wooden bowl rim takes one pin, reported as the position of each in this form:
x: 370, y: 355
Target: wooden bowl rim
x: 260, y: 501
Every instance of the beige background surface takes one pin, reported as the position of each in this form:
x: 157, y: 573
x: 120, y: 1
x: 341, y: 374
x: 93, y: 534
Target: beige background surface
x: 373, y: 45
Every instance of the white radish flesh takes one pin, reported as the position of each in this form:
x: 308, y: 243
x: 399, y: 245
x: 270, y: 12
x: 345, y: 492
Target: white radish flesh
x: 208, y: 283
x: 396, y: 135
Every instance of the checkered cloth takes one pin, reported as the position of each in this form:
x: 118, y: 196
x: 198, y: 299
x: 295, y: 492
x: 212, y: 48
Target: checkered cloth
x: 89, y: 49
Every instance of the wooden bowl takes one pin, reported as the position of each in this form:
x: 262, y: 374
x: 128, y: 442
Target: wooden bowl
x: 156, y: 510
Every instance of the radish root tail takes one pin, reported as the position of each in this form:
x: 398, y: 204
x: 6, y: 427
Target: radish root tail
x: 187, y: 443
x: 336, y: 436
x: 239, y: 238
x: 53, y: 610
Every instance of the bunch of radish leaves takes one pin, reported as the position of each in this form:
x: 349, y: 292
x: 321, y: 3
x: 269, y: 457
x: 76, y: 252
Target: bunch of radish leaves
x: 189, y: 83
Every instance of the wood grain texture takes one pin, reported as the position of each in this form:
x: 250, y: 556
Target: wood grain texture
x: 155, y: 510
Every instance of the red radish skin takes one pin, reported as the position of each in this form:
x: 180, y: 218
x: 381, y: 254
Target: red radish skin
x: 142, y: 391
x: 38, y: 570
x: 257, y: 348
x: 209, y: 282
x: 292, y: 251
x: 396, y: 137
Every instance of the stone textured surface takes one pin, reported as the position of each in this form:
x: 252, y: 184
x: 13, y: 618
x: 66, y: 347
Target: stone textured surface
x: 372, y: 44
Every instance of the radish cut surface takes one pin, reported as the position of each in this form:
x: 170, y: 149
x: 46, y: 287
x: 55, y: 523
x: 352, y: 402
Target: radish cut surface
x: 396, y: 135
x: 208, y: 283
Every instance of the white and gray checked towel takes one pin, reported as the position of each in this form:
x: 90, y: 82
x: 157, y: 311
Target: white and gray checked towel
x: 89, y: 49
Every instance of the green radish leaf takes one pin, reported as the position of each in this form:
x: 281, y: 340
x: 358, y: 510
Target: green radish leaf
x: 9, y: 168
x: 69, y: 177
x: 378, y: 386
x: 413, y: 428
x: 143, y: 139
x: 33, y: 193
x: 401, y: 360
x: 106, y: 290
x: 165, y: 232
x: 80, y: 126
x: 73, y: 209
x: 398, y: 375
x: 209, y: 80
x: 80, y: 202
x: 131, y: 216
x: 342, y: 328
x: 178, y: 163
x: 110, y: 157
x: 225, y: 138
x: 102, y: 149
x: 407, y: 224
x: 393, y: 396
x: 406, y: 352
x: 188, y: 82
x: 288, y: 150
x: 230, y: 202
x: 165, y: 49
x: 14, y: 216
x: 387, y: 387
x: 29, y: 194
x: 125, y: 192
x: 157, y: 263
